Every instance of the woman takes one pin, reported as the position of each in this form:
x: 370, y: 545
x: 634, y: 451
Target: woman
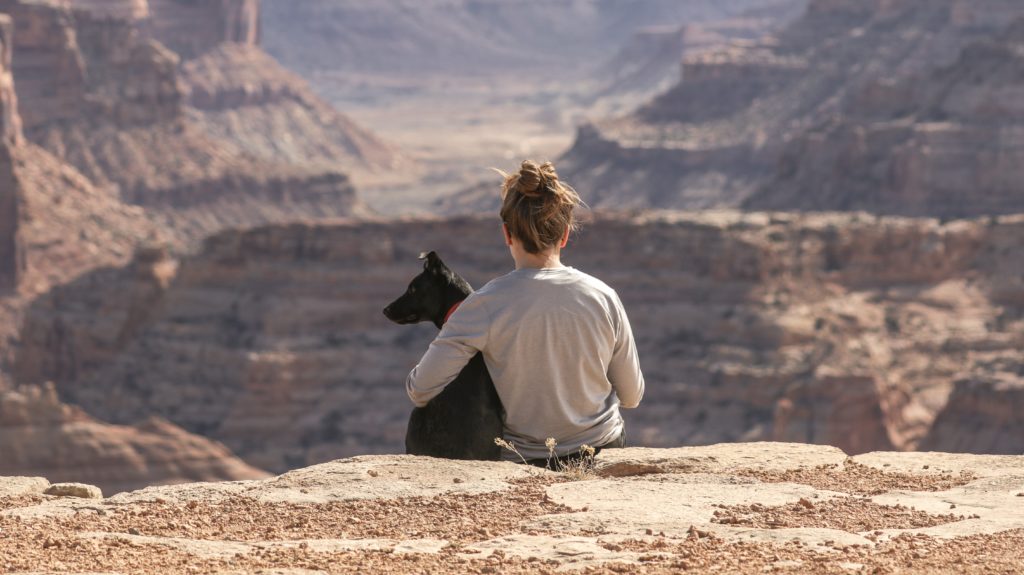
x: 556, y: 341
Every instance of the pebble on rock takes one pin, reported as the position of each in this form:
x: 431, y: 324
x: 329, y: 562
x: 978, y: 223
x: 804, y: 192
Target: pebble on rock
x: 74, y: 490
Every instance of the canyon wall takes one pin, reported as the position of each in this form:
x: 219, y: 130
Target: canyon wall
x: 54, y: 223
x: 120, y: 9
x: 193, y: 28
x: 469, y: 37
x: 100, y: 94
x: 785, y: 110
x: 46, y: 438
x: 245, y: 98
x: 10, y: 133
x: 842, y: 329
x: 10, y: 118
x: 982, y: 416
x: 950, y: 144
x: 187, y: 28
x: 11, y: 257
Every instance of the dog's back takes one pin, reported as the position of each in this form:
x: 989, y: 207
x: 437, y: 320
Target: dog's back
x: 464, y: 420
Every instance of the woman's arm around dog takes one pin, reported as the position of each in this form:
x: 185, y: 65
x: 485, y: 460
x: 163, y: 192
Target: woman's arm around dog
x: 462, y: 336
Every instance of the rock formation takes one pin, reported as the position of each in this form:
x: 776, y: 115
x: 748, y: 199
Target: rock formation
x: 42, y: 436
x: 839, y: 329
x: 463, y: 37
x: 193, y: 28
x: 54, y: 224
x: 95, y: 115
x: 745, y: 509
x: 243, y: 97
x: 10, y: 133
x: 119, y: 9
x: 187, y: 28
x: 949, y: 144
x: 648, y: 63
x: 981, y: 416
x: 102, y: 95
x: 718, y: 137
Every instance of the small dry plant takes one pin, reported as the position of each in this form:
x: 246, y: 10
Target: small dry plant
x: 577, y: 467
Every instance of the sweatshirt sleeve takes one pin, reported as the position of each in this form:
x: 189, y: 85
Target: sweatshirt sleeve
x: 624, y: 369
x: 460, y: 339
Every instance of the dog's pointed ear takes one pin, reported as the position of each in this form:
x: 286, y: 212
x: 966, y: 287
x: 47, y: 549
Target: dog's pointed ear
x: 431, y: 262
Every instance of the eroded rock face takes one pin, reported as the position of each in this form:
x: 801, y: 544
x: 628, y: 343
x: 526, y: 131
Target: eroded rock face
x: 106, y: 98
x: 187, y: 28
x: 10, y: 133
x: 193, y: 28
x: 242, y: 96
x: 982, y: 416
x: 10, y: 118
x: 950, y: 143
x: 721, y: 135
x: 461, y: 37
x: 839, y: 329
x: 44, y: 437
x: 121, y: 9
x: 54, y: 223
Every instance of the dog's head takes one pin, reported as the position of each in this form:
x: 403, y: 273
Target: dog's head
x: 425, y: 298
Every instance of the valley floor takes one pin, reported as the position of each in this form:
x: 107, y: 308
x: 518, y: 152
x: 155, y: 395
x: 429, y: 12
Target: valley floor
x: 737, y: 508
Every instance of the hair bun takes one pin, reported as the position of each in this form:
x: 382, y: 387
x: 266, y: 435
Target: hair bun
x: 536, y: 207
x: 535, y: 181
x: 530, y: 181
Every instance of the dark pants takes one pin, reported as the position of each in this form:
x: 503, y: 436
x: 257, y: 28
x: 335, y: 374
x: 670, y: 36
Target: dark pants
x: 553, y: 463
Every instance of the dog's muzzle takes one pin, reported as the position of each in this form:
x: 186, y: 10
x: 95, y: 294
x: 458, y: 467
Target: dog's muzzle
x: 390, y: 314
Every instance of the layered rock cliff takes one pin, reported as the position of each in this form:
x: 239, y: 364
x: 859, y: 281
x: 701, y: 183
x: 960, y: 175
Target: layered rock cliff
x: 187, y: 28
x: 839, y: 329
x: 243, y: 97
x: 54, y: 223
x: 104, y: 96
x: 10, y: 134
x: 469, y: 37
x: 193, y: 28
x: 718, y: 137
x: 982, y: 415
x: 44, y: 437
x: 950, y: 143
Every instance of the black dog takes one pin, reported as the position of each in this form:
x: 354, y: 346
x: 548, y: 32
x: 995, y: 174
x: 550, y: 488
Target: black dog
x: 461, y: 422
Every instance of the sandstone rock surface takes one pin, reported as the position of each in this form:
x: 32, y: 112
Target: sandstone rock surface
x: 44, y: 437
x: 16, y: 486
x: 747, y: 509
x: 847, y: 330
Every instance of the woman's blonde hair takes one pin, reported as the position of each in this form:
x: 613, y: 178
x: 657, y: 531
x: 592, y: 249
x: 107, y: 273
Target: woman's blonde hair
x: 536, y: 207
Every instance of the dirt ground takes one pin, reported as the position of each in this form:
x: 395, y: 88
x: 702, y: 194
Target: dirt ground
x: 799, y: 520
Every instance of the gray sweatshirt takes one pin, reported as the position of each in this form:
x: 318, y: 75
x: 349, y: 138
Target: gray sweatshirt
x: 559, y: 347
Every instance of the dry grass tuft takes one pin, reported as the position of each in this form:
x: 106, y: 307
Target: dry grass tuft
x: 577, y: 467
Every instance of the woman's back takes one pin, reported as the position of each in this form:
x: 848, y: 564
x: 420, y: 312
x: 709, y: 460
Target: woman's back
x: 555, y: 341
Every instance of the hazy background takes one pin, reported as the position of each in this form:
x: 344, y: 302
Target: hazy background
x: 809, y: 208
